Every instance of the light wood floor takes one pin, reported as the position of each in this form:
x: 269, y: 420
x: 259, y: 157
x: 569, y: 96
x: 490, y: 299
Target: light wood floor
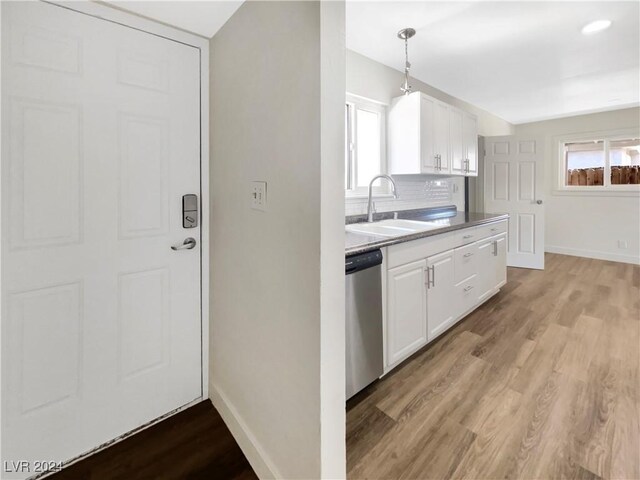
x: 541, y: 382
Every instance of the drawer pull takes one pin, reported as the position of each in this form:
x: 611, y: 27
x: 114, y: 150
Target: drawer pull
x: 494, y: 229
x: 467, y: 236
x: 467, y: 255
x: 467, y: 288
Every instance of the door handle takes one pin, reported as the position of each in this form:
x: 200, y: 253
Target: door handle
x: 188, y: 244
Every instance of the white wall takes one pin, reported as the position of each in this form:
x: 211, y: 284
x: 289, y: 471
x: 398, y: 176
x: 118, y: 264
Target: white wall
x: 585, y: 225
x: 277, y: 281
x: 373, y: 80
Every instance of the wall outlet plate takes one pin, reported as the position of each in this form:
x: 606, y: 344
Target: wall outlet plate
x: 259, y: 196
x: 623, y: 244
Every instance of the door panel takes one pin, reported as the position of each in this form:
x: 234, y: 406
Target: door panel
x: 406, y: 310
x: 500, y: 260
x: 442, y: 136
x: 427, y: 133
x: 457, y: 141
x: 440, y: 314
x: 514, y: 183
x: 101, y: 319
x: 470, y: 141
x: 486, y: 268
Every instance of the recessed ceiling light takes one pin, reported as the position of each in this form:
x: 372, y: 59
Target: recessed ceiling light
x: 596, y: 26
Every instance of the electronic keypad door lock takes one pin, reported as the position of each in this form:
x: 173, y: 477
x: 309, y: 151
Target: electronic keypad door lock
x: 189, y: 211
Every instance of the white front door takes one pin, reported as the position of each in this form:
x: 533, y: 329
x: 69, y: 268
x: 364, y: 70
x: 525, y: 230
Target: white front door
x: 101, y: 328
x: 514, y: 185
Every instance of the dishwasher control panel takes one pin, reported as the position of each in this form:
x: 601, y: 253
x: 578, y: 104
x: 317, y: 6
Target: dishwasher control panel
x: 360, y: 261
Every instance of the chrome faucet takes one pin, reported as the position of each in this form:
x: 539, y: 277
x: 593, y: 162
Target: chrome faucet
x: 393, y: 191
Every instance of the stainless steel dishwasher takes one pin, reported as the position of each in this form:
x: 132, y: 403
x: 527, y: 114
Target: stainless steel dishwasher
x: 364, y: 362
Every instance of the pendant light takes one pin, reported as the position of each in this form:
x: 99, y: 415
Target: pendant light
x: 405, y: 34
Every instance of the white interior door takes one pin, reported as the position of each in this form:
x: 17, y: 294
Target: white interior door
x: 514, y: 185
x: 100, y: 318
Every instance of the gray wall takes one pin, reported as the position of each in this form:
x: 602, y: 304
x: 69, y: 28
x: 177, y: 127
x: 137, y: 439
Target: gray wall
x: 277, y: 279
x: 374, y: 80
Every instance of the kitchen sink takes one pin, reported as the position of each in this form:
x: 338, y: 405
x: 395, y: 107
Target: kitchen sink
x: 391, y: 228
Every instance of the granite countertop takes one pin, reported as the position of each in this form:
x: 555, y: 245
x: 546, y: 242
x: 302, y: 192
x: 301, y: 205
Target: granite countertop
x: 448, y: 217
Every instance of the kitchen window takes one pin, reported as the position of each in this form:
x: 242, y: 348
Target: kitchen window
x: 600, y: 163
x: 365, y: 148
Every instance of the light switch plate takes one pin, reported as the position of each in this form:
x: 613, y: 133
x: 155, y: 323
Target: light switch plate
x: 259, y: 196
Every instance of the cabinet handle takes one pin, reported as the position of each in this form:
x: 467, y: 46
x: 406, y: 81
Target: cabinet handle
x: 495, y: 248
x: 467, y: 255
x: 494, y: 229
x: 468, y: 287
x: 431, y: 278
x: 467, y: 236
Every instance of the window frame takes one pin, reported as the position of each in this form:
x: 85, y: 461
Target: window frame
x: 607, y: 189
x: 353, y: 103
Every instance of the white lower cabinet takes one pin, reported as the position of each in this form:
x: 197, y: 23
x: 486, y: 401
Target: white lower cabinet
x: 485, y: 252
x: 492, y: 265
x: 434, y: 283
x: 500, y: 260
x: 440, y: 290
x: 406, y: 310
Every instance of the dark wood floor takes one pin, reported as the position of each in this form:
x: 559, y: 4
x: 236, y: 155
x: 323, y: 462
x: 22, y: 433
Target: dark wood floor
x: 194, y: 444
x: 541, y: 382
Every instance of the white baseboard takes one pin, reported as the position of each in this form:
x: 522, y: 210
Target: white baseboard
x: 249, y: 445
x: 576, y: 252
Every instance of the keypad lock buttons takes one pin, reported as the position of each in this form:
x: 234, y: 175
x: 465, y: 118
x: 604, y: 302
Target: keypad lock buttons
x: 189, y: 211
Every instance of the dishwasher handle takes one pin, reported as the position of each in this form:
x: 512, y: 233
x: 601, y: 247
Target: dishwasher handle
x: 362, y: 261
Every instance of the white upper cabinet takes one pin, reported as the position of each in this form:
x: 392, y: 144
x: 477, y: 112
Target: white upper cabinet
x: 427, y: 145
x: 457, y: 143
x: 430, y: 136
x: 470, y: 143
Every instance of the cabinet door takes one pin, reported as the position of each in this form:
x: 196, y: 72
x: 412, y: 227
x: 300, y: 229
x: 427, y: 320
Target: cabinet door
x: 440, y: 308
x: 456, y: 143
x: 500, y: 260
x: 406, y: 310
x: 470, y: 141
x: 486, y: 268
x: 427, y: 134
x: 441, y: 137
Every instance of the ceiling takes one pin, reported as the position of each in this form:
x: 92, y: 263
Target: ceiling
x: 202, y: 17
x: 522, y: 61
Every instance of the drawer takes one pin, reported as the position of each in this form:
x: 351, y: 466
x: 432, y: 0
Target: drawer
x: 403, y: 253
x: 484, y: 231
x: 466, y: 295
x: 465, y: 262
x: 464, y: 236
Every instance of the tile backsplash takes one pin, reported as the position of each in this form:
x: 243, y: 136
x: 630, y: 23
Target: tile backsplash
x: 414, y: 191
